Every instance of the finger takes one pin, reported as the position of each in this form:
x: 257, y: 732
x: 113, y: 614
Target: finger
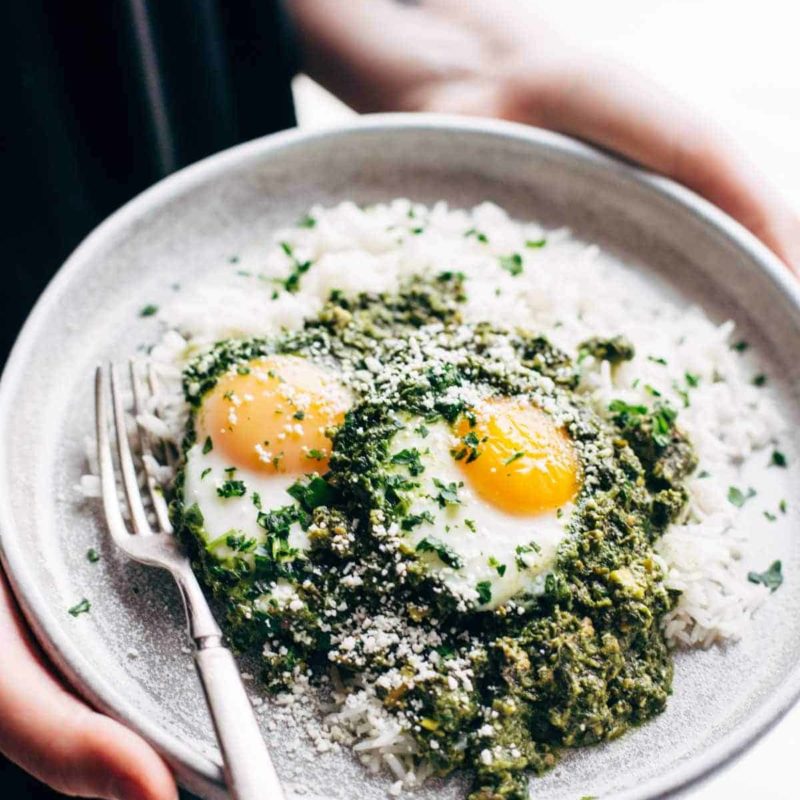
x: 609, y: 105
x: 53, y: 735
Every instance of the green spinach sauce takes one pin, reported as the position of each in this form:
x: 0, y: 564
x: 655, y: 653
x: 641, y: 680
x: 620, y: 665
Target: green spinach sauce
x: 501, y: 691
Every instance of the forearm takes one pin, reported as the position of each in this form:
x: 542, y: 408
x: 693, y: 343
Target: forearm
x: 380, y: 55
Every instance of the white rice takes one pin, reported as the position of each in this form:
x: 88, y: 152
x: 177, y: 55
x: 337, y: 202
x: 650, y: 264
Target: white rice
x: 568, y: 290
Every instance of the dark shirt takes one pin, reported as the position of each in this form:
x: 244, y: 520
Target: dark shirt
x: 101, y: 98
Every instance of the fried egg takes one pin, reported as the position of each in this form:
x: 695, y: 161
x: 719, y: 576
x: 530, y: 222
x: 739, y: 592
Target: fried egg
x: 494, y: 497
x: 264, y: 425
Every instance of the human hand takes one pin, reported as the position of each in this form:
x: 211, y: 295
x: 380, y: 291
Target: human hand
x: 53, y: 735
x: 501, y: 58
x: 608, y: 104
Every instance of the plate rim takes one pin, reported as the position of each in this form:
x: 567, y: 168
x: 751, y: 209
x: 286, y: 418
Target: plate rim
x: 194, y: 770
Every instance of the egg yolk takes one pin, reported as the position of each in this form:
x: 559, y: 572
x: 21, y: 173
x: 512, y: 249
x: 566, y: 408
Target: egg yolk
x: 516, y: 458
x: 272, y: 415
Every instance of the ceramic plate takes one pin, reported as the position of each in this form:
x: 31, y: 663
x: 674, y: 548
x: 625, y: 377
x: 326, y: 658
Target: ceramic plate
x: 129, y: 656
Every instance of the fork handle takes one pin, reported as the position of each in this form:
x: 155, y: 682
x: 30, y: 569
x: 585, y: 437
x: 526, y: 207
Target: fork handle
x: 248, y: 767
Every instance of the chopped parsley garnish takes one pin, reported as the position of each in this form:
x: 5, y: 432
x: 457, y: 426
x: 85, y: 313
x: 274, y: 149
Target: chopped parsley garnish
x: 292, y: 282
x: 299, y: 268
x: 682, y: 393
x: 512, y: 264
x: 658, y: 360
x: 80, y: 608
x: 256, y: 498
x: 496, y: 565
x: 205, y: 472
x: 626, y: 412
x: 740, y: 347
x: 484, y: 590
x: 411, y: 521
x: 278, y: 521
x: 148, y: 310
x: 704, y: 473
x: 275, y: 555
x: 511, y: 459
x: 456, y: 278
x: 663, y: 420
x: 778, y: 459
x: 445, y: 650
x: 692, y: 380
x: 394, y: 486
x: 300, y: 414
x: 410, y: 458
x: 783, y: 506
x: 92, y: 556
x: 306, y: 221
x: 614, y: 349
x: 651, y: 390
x: 522, y: 550
x: 313, y: 494
x: 208, y: 445
x: 239, y: 542
x: 317, y: 455
x: 445, y: 553
x: 770, y: 516
x: 231, y: 488
x: 772, y: 577
x: 448, y: 493
x: 535, y: 244
x: 481, y: 237
x: 737, y: 497
x: 760, y: 380
x: 470, y: 523
x: 470, y: 448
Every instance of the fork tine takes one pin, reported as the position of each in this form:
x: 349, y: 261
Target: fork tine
x: 152, y: 383
x: 153, y: 486
x: 127, y: 467
x: 108, y: 483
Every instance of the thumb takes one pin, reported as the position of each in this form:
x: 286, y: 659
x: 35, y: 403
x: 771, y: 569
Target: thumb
x: 94, y: 756
x: 53, y: 735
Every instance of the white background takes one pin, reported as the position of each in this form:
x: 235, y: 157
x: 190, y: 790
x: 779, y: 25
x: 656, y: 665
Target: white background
x: 739, y: 61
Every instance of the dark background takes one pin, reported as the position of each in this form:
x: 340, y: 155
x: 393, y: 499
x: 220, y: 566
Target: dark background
x: 100, y: 102
x: 18, y: 784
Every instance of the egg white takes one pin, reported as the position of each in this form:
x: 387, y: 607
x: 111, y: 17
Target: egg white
x: 204, y: 473
x: 496, y: 534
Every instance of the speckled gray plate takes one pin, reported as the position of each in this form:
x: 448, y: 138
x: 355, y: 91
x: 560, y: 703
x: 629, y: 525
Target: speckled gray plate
x: 128, y: 655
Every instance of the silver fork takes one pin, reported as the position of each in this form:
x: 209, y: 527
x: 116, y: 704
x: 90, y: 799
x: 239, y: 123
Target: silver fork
x: 249, y: 772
